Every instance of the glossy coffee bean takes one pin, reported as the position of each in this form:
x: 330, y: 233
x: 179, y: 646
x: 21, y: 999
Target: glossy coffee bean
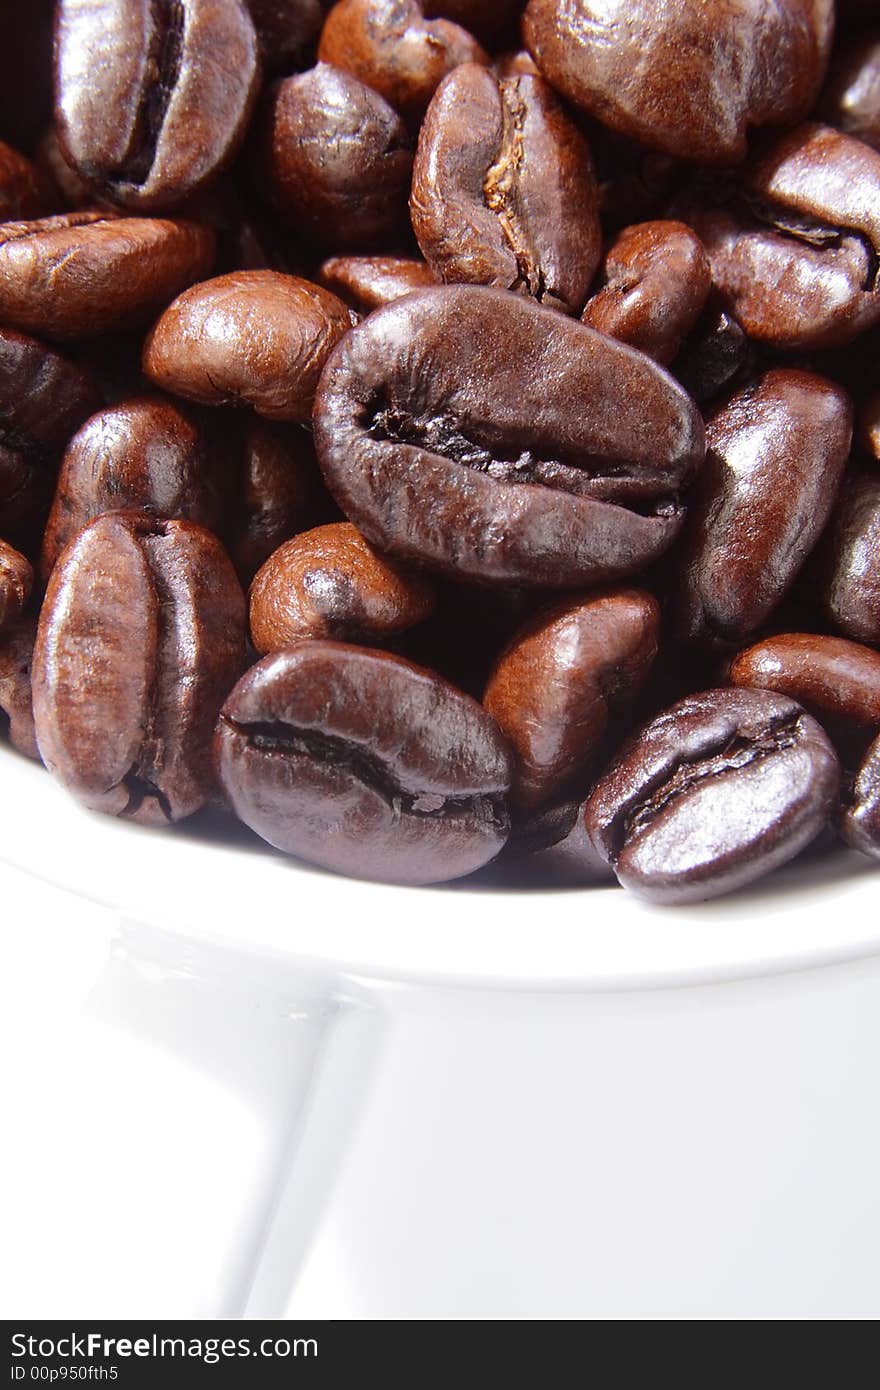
x: 363, y: 763
x: 829, y: 675
x: 847, y: 575
x: 860, y: 822
x: 851, y: 99
x: 366, y: 282
x: 276, y: 493
x: 16, y: 582
x: 16, y: 705
x: 145, y: 455
x: 141, y: 638
x: 503, y: 190
x: 721, y: 788
x: 43, y: 400
x: 393, y: 48
x: 655, y: 283
x: 287, y: 31
x: 551, y: 847
x: 774, y: 459
x: 152, y: 99
x: 23, y: 191
x: 337, y: 160
x: 86, y: 273
x: 681, y: 75
x: 446, y: 440
x: 552, y: 689
x: 253, y: 337
x: 329, y: 582
x: 793, y: 245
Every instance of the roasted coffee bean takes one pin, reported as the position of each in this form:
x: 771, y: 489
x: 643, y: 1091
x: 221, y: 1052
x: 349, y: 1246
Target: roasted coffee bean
x: 851, y: 99
x: 329, y: 582
x: 87, y: 273
x: 794, y: 244
x: 16, y: 582
x: 475, y: 432
x: 869, y: 425
x: 552, y: 688
x: 276, y: 493
x: 69, y: 189
x: 254, y: 337
x: 366, y: 282
x: 141, y: 638
x: 518, y: 63
x: 551, y: 846
x: 393, y: 48
x: 145, y: 455
x: 23, y: 191
x: 287, y: 32
x: 16, y: 705
x: 655, y: 282
x: 503, y: 190
x: 774, y: 459
x: 828, y: 675
x: 716, y: 355
x: 363, y: 763
x: 43, y: 399
x: 860, y: 822
x: 336, y: 160
x: 153, y: 96
x: 720, y: 789
x: 683, y: 76
x: 846, y: 576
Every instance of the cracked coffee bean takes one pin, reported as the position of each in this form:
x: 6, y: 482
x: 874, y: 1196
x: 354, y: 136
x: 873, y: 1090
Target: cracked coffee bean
x: 141, y: 637
x: 360, y: 762
x: 717, y: 791
x: 153, y: 96
x: 445, y: 440
x: 503, y: 190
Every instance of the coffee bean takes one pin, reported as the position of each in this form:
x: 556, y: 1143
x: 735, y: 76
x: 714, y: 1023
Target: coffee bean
x: 851, y: 99
x: 16, y: 582
x: 655, y: 282
x: 716, y: 355
x: 363, y: 763
x: 329, y: 582
x: 153, y: 96
x: 16, y: 705
x: 23, y: 191
x: 337, y: 160
x: 287, y: 31
x: 682, y: 76
x: 826, y: 674
x: 552, y: 688
x: 551, y: 847
x: 366, y: 282
x: 141, y: 637
x: 774, y: 458
x: 860, y: 822
x: 503, y: 190
x: 87, y: 273
x: 847, y: 573
x: 869, y: 426
x: 254, y: 337
x: 483, y: 436
x: 43, y: 399
x: 393, y: 48
x: 144, y: 455
x: 278, y: 482
x: 723, y: 787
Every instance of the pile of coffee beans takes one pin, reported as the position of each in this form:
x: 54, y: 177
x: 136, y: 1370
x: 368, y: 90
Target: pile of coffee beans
x: 441, y: 431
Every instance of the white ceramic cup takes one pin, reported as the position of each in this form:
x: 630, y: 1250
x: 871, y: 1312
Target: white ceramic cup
x: 240, y: 1087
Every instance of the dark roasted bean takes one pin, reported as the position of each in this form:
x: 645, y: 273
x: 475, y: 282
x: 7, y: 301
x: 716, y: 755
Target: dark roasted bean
x: 278, y: 481
x: 503, y: 190
x: 869, y: 425
x: 366, y: 282
x: 656, y: 280
x: 720, y: 789
x: 774, y: 458
x: 681, y: 75
x: 851, y: 99
x: 253, y: 337
x: 445, y: 438
x: 329, y: 582
x: 336, y: 160
x: 860, y: 822
x: 16, y: 705
x: 363, y: 763
x: 828, y: 675
x: 551, y: 846
x: 287, y: 31
x: 153, y: 96
x: 16, y: 582
x: 23, y: 191
x: 144, y: 455
x: 716, y: 355
x: 393, y: 48
x: 552, y: 688
x: 87, y: 273
x: 141, y: 637
x: 847, y: 573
